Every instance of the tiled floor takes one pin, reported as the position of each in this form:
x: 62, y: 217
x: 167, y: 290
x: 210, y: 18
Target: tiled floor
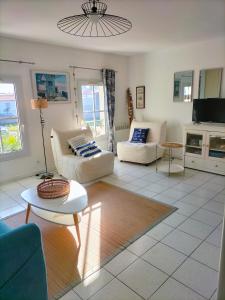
x: 177, y: 259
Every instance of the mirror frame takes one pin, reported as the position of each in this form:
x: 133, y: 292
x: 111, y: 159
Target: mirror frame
x: 192, y: 71
x: 199, y: 81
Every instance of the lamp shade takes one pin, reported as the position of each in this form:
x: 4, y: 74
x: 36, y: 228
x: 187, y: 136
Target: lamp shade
x: 39, y: 103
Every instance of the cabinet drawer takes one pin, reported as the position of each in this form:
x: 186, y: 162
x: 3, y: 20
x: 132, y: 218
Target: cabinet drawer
x: 193, y: 162
x: 215, y: 165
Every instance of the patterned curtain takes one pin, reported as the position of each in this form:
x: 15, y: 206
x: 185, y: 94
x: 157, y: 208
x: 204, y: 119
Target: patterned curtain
x: 109, y: 82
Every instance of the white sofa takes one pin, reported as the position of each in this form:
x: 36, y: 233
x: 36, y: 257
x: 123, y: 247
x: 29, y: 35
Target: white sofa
x: 143, y: 153
x: 81, y: 169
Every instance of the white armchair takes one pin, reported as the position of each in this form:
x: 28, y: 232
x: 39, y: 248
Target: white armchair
x: 82, y: 169
x: 143, y: 153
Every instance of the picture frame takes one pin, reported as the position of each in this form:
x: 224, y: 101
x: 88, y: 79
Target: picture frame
x: 51, y: 85
x: 140, y: 97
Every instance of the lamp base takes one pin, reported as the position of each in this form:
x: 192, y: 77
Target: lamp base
x: 45, y: 175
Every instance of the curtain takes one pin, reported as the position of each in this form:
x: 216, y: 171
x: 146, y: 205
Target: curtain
x: 109, y: 82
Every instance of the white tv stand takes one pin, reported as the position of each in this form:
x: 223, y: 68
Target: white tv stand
x: 205, y: 147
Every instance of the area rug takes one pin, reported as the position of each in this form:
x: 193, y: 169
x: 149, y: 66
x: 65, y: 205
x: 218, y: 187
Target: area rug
x: 113, y: 220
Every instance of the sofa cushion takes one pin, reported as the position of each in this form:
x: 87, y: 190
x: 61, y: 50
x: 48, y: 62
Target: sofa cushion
x: 140, y: 135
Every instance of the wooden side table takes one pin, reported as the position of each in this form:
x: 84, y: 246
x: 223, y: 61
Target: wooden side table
x: 171, y: 168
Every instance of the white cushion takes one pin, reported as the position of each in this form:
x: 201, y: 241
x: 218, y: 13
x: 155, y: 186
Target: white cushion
x: 76, y: 141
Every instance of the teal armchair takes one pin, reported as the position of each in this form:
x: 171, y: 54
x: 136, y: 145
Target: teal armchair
x: 22, y: 265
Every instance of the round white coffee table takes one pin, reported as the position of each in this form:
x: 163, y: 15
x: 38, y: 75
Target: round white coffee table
x: 63, y: 210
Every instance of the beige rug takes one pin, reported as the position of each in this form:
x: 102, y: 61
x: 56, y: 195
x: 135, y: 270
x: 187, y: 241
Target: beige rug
x: 114, y: 218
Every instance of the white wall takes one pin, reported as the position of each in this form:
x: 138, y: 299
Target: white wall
x: 156, y: 70
x: 61, y: 116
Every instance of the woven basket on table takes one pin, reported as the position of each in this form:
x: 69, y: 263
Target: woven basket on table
x: 53, y: 188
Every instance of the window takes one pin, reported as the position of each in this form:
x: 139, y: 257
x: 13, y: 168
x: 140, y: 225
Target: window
x: 94, y: 108
x: 10, y: 130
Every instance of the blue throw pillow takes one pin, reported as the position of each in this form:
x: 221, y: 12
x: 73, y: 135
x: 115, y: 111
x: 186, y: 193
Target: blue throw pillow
x: 140, y: 135
x: 87, y: 150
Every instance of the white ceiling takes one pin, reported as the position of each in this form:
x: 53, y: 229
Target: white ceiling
x: 157, y: 24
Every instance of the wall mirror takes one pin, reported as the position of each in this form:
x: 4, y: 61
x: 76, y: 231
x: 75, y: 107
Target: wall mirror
x: 210, y: 83
x: 183, y: 86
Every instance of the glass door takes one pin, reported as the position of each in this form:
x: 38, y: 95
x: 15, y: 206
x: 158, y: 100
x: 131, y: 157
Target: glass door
x: 195, y: 143
x: 216, y: 146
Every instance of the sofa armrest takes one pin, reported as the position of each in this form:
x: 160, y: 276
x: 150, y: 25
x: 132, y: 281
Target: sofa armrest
x: 22, y: 264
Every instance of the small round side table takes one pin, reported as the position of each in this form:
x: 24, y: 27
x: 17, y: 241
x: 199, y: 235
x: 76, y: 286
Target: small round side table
x: 171, y: 168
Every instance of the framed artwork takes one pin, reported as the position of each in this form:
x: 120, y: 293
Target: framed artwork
x: 53, y: 86
x: 140, y: 97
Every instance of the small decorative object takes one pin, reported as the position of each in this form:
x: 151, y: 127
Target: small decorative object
x: 94, y: 22
x: 140, y: 97
x: 42, y: 104
x: 53, y: 86
x: 130, y: 106
x: 53, y: 188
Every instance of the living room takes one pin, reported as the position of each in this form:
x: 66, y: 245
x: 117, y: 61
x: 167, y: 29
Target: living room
x: 176, y: 254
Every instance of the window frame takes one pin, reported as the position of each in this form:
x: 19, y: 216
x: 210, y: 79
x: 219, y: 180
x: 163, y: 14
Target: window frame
x: 16, y: 80
x: 80, y: 104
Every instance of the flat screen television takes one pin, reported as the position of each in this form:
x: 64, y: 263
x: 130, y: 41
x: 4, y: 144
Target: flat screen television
x: 208, y: 110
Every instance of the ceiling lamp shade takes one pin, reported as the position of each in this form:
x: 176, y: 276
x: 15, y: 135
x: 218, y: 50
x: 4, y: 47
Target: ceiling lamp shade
x: 94, y: 22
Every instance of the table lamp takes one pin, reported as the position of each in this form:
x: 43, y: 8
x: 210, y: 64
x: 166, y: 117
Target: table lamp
x: 42, y: 104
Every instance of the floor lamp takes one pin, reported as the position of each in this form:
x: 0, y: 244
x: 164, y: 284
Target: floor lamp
x: 42, y: 104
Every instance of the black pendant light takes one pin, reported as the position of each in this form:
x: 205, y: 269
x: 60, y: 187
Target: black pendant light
x: 94, y: 22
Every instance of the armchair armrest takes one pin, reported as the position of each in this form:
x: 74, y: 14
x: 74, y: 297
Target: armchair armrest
x: 22, y: 271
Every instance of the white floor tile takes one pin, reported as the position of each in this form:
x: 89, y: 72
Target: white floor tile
x: 143, y: 278
x: 70, y: 296
x: 11, y: 211
x: 208, y: 255
x: 174, y: 194
x: 141, y: 245
x: 185, y: 209
x: 207, y: 217
x: 141, y: 183
x: 146, y: 193
x: 162, y: 197
x: 10, y: 186
x: 211, y: 186
x: 185, y: 187
x: 157, y: 188
x: 215, y: 238
x: 174, y: 219
x: 181, y: 241
x: 198, y: 277
x: 120, y: 262
x: 115, y: 290
x: 195, y: 200
x: 219, y: 180
x: 173, y: 290
x: 203, y: 193
x: 6, y: 202
x: 93, y: 283
x: 214, y: 296
x: 219, y: 198
x: 164, y: 258
x: 159, y: 231
x: 196, y: 228
x: 215, y: 207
